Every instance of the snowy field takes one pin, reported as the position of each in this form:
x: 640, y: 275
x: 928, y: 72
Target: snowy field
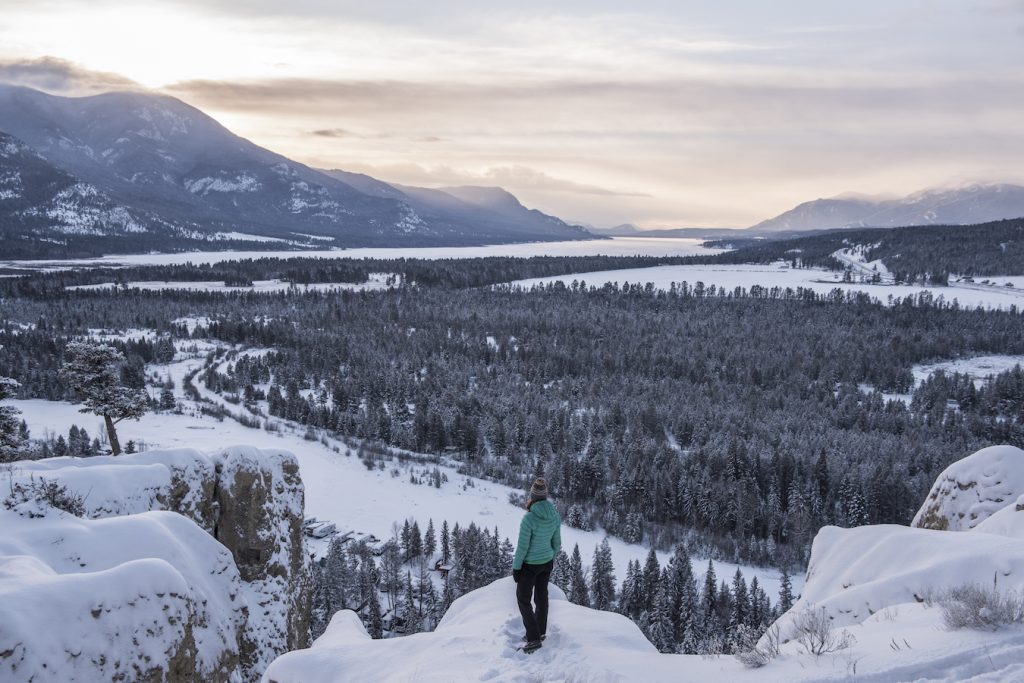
x: 996, y: 295
x: 617, y: 246
x: 376, y: 281
x: 339, y: 487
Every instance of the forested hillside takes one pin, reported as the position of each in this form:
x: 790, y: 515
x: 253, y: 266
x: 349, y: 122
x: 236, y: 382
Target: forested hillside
x: 925, y: 253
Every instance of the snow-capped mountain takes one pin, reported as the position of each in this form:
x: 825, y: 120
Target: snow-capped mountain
x: 155, y: 154
x: 960, y: 206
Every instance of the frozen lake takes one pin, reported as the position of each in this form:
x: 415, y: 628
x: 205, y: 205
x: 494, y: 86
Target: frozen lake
x: 617, y: 246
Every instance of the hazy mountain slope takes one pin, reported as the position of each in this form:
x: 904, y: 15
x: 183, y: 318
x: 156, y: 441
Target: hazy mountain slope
x: 155, y: 154
x: 39, y: 199
x: 961, y: 206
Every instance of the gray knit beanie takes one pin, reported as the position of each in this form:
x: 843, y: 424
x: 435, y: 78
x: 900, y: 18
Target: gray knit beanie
x: 539, y: 490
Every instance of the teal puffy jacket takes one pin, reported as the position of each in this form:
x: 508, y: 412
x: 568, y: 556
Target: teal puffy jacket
x: 540, y: 537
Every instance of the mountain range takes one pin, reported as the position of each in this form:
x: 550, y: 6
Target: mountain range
x: 129, y: 171
x: 958, y: 206
x: 969, y: 205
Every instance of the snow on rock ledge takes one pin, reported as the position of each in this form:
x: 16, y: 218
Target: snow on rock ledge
x: 972, y: 489
x: 180, y: 479
x: 250, y: 500
x: 1007, y: 522
x: 146, y: 597
x: 476, y: 640
x: 855, y: 573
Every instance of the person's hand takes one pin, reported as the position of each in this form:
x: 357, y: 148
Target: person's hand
x: 516, y: 573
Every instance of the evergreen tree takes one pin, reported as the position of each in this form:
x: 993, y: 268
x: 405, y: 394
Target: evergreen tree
x: 683, y: 587
x: 651, y: 576
x: 12, y: 440
x: 446, y: 552
x: 578, y: 591
x: 375, y: 625
x: 602, y: 580
x: 92, y: 374
x: 430, y: 540
x: 560, y: 573
x: 785, y: 593
x: 662, y: 631
x: 415, y: 540
x: 740, y: 601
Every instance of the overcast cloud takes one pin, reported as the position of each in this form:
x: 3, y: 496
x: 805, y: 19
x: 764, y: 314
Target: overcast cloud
x: 671, y: 114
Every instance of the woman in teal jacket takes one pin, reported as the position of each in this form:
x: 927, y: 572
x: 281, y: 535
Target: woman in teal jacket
x: 540, y: 540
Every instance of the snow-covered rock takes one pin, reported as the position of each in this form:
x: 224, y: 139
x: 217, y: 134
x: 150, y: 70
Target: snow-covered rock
x: 476, y: 640
x: 182, y: 480
x: 146, y: 597
x: 1007, y: 522
x: 249, y: 505
x: 855, y: 573
x: 971, y: 490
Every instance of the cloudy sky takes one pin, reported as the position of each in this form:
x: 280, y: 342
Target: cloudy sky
x: 665, y: 113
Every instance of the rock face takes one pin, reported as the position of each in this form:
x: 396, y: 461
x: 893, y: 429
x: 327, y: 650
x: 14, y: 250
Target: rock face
x: 260, y: 499
x: 971, y: 490
x: 245, y: 504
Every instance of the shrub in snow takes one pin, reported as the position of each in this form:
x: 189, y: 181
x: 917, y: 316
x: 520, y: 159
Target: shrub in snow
x: 754, y: 652
x: 813, y: 629
x: 972, y: 606
x: 24, y: 495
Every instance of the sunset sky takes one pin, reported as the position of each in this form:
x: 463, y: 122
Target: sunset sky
x: 665, y: 114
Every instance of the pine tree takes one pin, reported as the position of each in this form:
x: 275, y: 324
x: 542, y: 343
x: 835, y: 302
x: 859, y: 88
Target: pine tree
x: 709, y: 597
x: 683, y: 586
x: 578, y: 592
x: 602, y: 583
x: 651, y: 576
x: 560, y: 575
x: 662, y: 632
x: 740, y: 601
x: 785, y: 593
x: 12, y: 441
x: 631, y: 601
x: 430, y: 540
x: 92, y: 374
x: 411, y: 614
x: 446, y: 551
x: 375, y: 627
x: 415, y: 541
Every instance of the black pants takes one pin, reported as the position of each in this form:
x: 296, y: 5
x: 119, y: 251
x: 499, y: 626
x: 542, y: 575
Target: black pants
x: 533, y: 582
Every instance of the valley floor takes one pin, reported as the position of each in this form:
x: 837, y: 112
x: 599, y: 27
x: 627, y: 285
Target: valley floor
x: 339, y: 487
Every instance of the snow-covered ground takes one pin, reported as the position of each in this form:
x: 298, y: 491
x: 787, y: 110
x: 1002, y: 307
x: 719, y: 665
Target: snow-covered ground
x: 617, y: 246
x: 339, y: 487
x: 376, y: 281
x: 476, y: 641
x: 781, y: 275
x: 879, y: 591
x: 977, y: 367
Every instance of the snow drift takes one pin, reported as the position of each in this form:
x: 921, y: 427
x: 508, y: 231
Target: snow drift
x: 972, y: 489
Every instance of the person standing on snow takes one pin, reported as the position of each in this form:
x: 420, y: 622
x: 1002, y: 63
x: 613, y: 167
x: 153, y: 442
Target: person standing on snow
x: 540, y: 539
